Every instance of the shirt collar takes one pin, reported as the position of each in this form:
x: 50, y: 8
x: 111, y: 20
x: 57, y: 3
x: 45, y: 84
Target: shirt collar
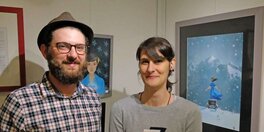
x: 48, y: 89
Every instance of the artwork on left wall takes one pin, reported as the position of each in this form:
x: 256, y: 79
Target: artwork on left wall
x: 99, y: 66
x: 12, y: 52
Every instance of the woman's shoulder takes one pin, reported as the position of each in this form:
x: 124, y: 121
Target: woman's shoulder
x: 126, y: 102
x: 185, y: 104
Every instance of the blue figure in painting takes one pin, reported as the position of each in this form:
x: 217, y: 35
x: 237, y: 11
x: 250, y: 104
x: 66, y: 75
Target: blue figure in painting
x: 92, y: 79
x: 214, y: 94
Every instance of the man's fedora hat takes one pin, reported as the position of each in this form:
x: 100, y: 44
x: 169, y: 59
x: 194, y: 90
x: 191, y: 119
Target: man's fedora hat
x: 65, y: 19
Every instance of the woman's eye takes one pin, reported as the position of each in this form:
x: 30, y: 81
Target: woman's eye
x: 144, y: 62
x: 158, y: 61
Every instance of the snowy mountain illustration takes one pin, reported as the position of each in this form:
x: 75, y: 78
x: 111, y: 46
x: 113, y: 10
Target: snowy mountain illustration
x: 212, y: 60
x: 233, y: 71
x: 229, y: 82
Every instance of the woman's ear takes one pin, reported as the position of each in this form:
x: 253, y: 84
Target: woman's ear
x: 43, y: 50
x: 172, y: 64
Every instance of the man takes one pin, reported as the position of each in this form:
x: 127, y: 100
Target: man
x: 60, y: 102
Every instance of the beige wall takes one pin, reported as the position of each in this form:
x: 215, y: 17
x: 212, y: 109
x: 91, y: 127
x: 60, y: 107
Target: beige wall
x: 129, y: 21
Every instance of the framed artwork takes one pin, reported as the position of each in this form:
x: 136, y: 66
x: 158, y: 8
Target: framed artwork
x: 12, y: 52
x: 219, y: 59
x: 99, y: 67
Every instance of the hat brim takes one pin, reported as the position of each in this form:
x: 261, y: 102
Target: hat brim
x: 48, y: 29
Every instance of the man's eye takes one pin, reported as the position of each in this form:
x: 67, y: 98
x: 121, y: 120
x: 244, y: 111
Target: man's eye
x: 62, y: 46
x: 80, y: 47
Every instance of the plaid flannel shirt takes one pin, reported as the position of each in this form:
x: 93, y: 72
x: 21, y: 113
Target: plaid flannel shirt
x: 38, y: 107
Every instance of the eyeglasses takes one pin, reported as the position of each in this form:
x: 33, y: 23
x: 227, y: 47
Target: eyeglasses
x: 64, y: 48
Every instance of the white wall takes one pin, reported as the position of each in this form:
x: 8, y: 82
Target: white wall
x: 129, y: 21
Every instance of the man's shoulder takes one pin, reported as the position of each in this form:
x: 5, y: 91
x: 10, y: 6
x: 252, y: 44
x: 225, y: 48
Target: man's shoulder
x: 24, y: 94
x: 91, y: 92
x: 87, y: 89
x: 28, y: 89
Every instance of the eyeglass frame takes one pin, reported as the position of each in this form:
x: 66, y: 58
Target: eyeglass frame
x: 69, y: 46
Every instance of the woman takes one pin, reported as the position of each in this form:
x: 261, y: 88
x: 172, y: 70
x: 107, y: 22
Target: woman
x: 92, y: 79
x: 155, y: 107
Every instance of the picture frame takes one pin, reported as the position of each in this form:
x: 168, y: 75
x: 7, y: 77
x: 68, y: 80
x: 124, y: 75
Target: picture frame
x: 12, y: 68
x: 100, y: 54
x: 227, y: 48
x: 103, y: 117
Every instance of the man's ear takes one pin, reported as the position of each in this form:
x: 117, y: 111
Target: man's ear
x: 43, y: 50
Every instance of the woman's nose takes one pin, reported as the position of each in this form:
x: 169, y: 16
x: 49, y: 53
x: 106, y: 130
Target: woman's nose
x: 151, y: 67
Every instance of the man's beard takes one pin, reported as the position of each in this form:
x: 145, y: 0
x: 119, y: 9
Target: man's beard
x: 59, y: 72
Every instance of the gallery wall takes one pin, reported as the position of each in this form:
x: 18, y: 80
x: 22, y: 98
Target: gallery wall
x: 129, y: 21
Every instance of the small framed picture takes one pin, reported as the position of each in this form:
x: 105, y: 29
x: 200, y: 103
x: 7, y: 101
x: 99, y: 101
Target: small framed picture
x: 99, y: 65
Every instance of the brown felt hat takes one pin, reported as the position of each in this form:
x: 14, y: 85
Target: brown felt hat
x: 63, y: 20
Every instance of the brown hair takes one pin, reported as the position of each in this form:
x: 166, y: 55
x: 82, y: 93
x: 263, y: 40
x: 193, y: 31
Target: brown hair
x: 151, y: 45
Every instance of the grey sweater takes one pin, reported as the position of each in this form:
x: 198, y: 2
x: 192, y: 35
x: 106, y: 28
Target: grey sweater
x: 129, y: 115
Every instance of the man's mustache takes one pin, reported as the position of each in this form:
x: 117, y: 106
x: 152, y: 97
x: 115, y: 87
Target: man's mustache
x: 71, y: 60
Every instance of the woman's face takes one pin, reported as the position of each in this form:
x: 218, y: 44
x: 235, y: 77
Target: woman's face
x: 91, y: 66
x: 154, y: 72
